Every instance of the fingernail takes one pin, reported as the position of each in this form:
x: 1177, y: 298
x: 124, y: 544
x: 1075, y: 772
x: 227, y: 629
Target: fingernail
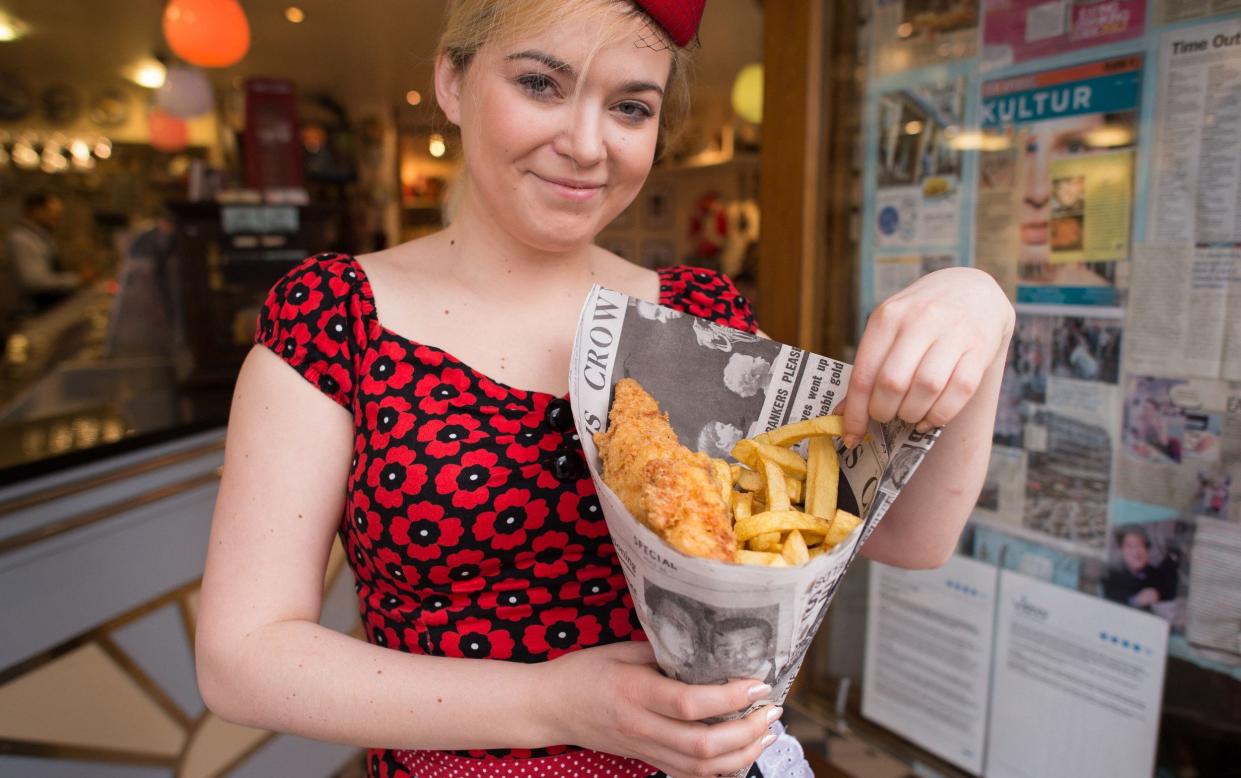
x: 851, y: 441
x: 759, y: 692
x: 922, y: 427
x: 774, y: 714
x: 768, y: 739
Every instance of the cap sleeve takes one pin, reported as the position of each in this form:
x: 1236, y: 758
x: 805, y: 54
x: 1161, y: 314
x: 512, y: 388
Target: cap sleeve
x: 312, y: 319
x: 707, y: 294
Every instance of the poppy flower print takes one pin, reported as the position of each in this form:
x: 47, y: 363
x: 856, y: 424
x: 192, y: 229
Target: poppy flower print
x: 514, y: 599
x: 561, y: 630
x: 469, y: 483
x: 465, y: 571
x: 332, y: 332
x: 461, y: 538
x: 424, y: 531
x: 389, y: 419
x: 439, y: 392
x: 516, y: 517
x: 476, y: 639
x: 551, y: 556
x: 395, y: 476
x: 445, y: 437
x: 441, y: 608
x: 386, y: 369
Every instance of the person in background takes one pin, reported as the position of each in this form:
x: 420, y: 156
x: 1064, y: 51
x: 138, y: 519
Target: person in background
x: 33, y: 255
x: 1136, y: 582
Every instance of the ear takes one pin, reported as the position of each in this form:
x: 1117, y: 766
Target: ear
x: 448, y: 88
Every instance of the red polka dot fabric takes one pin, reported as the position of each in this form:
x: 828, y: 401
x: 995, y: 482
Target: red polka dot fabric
x: 471, y: 523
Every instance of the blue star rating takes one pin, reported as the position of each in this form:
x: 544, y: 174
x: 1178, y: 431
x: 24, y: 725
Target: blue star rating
x: 1124, y: 643
x: 957, y: 586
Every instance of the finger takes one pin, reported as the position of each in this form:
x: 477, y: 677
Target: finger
x: 710, y: 741
x: 959, y: 391
x: 729, y: 764
x: 687, y: 702
x: 929, y: 380
x: 877, y: 338
x: 896, y: 374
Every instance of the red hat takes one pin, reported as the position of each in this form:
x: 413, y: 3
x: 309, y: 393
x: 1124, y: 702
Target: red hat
x: 679, y: 18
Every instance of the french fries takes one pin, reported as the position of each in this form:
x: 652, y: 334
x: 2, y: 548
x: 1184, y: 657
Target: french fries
x: 784, y: 507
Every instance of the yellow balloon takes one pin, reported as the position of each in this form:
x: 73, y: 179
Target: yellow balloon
x: 748, y: 93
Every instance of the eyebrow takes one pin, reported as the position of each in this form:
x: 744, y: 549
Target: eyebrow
x: 560, y: 66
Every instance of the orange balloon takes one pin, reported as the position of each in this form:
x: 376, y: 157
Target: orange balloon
x: 168, y: 132
x: 207, y: 33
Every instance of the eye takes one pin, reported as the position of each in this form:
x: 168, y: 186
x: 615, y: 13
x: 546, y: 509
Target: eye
x: 537, y: 84
x: 634, y: 111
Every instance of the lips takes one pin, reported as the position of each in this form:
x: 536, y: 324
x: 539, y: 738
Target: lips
x: 1034, y: 233
x: 570, y: 189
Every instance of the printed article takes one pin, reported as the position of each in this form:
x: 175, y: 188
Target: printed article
x: 1077, y: 684
x: 1055, y: 191
x: 1148, y: 568
x: 1036, y: 560
x: 1185, y: 312
x: 912, y: 33
x: 1214, y: 620
x: 1181, y: 446
x: 709, y: 620
x: 1196, y: 190
x: 918, y: 197
x: 894, y: 273
x: 1018, y: 30
x: 928, y: 656
x: 1055, y: 424
x: 1178, y: 10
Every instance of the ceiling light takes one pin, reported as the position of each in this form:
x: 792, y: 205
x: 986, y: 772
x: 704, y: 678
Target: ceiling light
x: 913, y: 128
x: 972, y: 140
x: 295, y: 14
x: 413, y: 97
x: 149, y: 73
x: 103, y: 149
x: 11, y: 29
x: 437, y: 146
x: 1108, y: 137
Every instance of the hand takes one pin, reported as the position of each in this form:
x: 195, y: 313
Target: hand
x: 1145, y: 598
x: 925, y: 350
x: 612, y: 698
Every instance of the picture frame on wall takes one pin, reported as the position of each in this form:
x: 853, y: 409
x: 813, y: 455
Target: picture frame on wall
x: 657, y: 253
x: 657, y: 210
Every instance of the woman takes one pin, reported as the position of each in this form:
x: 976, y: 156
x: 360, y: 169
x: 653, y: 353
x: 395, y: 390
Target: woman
x: 461, y: 500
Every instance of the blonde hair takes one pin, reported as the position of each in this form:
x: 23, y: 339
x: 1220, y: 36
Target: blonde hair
x: 471, y: 24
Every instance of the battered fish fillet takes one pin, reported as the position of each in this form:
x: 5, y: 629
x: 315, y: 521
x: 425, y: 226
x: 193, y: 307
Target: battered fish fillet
x: 667, y: 487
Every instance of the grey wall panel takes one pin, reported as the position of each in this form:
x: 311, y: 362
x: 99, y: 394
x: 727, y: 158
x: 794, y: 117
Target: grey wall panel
x: 289, y: 755
x: 30, y: 767
x: 159, y: 645
x: 71, y: 583
x: 110, y: 494
x: 340, y: 603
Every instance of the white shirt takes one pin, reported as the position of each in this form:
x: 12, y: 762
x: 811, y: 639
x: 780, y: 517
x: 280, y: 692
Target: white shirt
x: 32, y: 254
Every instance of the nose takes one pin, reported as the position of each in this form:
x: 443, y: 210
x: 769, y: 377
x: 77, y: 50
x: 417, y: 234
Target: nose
x: 582, y: 138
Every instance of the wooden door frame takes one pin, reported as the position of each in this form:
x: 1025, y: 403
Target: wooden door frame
x: 807, y: 272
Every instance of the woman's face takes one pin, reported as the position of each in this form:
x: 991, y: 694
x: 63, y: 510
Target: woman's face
x: 554, y: 155
x: 674, y: 632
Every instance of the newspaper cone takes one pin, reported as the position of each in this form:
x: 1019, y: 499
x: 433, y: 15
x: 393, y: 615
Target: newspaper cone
x: 709, y: 621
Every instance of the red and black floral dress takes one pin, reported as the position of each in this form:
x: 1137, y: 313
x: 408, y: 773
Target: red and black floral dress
x: 471, y: 523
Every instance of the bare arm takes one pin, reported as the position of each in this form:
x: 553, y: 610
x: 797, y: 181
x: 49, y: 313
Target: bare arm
x: 933, y: 355
x: 264, y: 661
x: 922, y: 526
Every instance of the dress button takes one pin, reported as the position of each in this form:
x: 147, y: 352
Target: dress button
x: 559, y: 415
x: 567, y: 465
